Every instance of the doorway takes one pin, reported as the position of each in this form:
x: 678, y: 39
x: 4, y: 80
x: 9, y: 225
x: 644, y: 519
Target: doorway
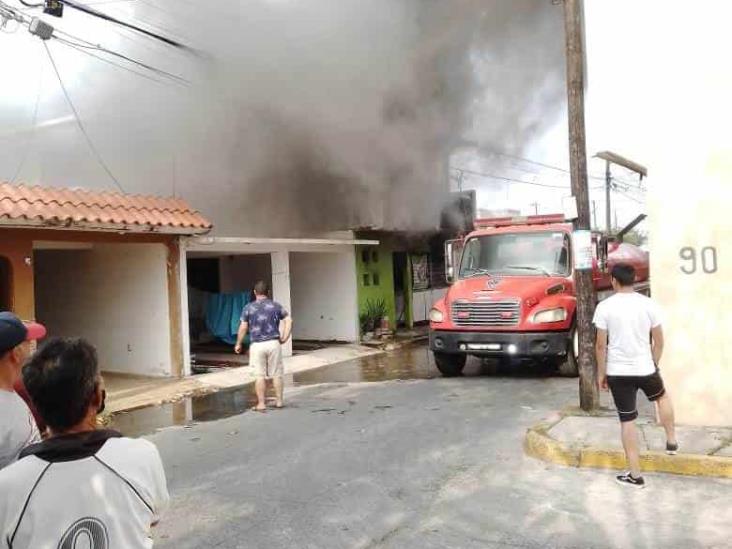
x: 219, y: 286
x: 401, y: 289
x: 6, y: 284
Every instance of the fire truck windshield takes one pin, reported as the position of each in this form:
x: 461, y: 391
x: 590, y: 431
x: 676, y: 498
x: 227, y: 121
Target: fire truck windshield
x: 517, y: 254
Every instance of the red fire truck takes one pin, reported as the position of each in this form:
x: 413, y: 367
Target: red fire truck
x: 512, y: 294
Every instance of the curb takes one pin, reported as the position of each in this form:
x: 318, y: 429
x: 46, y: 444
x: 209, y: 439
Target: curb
x: 539, y: 444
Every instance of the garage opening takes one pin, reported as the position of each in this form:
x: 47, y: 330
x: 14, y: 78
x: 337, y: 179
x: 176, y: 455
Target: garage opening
x: 219, y: 286
x: 6, y: 284
x: 114, y: 295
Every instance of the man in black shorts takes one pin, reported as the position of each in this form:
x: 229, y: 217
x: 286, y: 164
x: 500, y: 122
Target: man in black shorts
x: 629, y: 348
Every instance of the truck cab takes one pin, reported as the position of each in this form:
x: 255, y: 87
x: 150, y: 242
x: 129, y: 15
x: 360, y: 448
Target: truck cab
x: 512, y: 294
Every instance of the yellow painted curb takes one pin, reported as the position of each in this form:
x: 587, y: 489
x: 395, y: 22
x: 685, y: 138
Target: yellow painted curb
x: 539, y: 444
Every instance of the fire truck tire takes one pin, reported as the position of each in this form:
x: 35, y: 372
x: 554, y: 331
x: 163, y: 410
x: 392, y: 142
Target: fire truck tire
x: 569, y: 366
x: 450, y: 365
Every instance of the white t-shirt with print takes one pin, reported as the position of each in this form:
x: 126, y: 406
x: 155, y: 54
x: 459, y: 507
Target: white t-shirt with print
x: 17, y: 427
x: 628, y: 319
x: 108, y: 499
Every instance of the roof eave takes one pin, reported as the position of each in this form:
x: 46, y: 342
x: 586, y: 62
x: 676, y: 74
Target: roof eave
x: 67, y: 225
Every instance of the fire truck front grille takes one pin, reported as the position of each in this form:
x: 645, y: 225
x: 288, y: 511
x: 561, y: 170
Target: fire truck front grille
x: 503, y: 313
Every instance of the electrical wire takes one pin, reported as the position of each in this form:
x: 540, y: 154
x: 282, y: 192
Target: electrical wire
x: 93, y: 149
x: 101, y: 15
x: 510, y: 179
x: 34, y: 121
x: 549, y: 166
x: 85, y: 44
x: 630, y: 197
x: 109, y: 62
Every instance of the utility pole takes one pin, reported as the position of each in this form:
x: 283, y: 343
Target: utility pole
x: 594, y: 215
x: 608, y: 183
x: 573, y: 25
x: 536, y: 207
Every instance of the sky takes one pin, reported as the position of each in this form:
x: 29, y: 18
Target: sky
x: 290, y: 102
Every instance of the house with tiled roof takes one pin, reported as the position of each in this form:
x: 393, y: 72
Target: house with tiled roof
x: 103, y: 265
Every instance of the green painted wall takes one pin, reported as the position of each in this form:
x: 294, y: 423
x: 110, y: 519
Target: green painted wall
x: 376, y: 278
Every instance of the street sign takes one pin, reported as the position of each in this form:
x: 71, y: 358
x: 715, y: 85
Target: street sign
x: 582, y: 244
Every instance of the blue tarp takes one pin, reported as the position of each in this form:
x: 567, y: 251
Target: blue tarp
x: 223, y: 313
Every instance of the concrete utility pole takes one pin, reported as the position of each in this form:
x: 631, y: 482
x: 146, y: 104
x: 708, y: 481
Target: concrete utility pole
x: 614, y: 158
x: 589, y: 396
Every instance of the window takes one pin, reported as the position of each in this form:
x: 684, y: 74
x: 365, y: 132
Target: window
x: 375, y: 278
x: 365, y: 255
x: 520, y: 254
x: 366, y: 279
x: 375, y: 256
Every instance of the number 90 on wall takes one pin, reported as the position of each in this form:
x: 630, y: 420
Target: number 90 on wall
x: 693, y: 260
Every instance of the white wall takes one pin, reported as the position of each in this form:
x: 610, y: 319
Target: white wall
x: 114, y: 295
x: 664, y: 102
x: 324, y: 299
x: 281, y: 287
x: 239, y: 273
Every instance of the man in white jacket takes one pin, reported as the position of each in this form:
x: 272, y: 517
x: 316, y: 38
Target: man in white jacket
x: 81, y: 487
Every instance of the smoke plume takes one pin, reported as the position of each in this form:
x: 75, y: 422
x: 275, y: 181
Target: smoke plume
x: 302, y: 116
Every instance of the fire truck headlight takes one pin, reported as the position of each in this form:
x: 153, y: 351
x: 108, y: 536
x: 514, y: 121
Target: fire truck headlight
x: 436, y: 315
x: 550, y: 315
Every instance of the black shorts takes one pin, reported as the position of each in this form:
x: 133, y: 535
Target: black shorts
x: 625, y: 388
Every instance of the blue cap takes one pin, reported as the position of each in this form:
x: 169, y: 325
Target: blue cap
x: 14, y: 331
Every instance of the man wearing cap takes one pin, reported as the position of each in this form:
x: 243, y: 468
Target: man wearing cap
x: 17, y: 427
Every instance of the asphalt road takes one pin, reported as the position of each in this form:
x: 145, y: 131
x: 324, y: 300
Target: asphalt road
x: 421, y: 463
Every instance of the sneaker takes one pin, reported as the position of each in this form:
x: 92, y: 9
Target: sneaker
x: 672, y: 449
x: 630, y: 480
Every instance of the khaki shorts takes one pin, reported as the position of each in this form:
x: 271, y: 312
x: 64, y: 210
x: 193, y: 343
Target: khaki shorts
x: 265, y: 358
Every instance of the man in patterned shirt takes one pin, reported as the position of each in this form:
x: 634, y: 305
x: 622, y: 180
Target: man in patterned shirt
x: 269, y: 326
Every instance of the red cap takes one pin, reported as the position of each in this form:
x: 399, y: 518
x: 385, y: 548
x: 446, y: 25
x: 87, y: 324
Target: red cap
x: 35, y: 331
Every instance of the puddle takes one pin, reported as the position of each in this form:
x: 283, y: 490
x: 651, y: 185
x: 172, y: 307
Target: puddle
x: 184, y: 412
x: 409, y: 363
x: 412, y: 362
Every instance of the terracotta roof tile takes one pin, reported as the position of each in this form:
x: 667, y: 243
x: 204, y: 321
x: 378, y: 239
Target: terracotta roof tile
x: 80, y: 207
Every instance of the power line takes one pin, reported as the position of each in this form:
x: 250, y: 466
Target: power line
x: 629, y: 197
x: 93, y: 149
x: 511, y: 179
x: 109, y: 62
x: 80, y: 43
x: 101, y: 15
x: 34, y: 121
x: 549, y: 166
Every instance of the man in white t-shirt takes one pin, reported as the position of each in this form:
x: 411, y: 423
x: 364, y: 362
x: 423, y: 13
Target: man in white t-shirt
x: 81, y: 487
x: 17, y: 426
x: 629, y: 347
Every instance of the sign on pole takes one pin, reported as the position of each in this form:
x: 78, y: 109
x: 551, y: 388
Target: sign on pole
x: 582, y: 244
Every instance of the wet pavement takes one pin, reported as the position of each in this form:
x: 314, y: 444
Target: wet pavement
x: 387, y: 454
x: 411, y: 362
x: 408, y: 363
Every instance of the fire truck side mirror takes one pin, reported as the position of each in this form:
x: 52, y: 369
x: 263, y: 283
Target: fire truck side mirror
x: 602, y: 253
x: 452, y: 259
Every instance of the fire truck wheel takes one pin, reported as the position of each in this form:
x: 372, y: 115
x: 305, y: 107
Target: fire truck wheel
x: 568, y: 366
x: 450, y: 365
